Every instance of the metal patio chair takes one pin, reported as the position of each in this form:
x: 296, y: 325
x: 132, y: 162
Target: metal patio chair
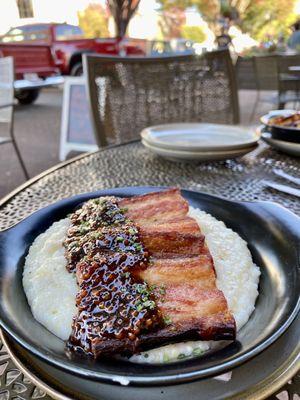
x: 272, y: 73
x: 7, y: 107
x: 288, y: 82
x: 127, y: 94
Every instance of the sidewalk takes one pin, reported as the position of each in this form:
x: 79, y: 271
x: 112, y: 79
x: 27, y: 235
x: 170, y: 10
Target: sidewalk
x: 37, y: 131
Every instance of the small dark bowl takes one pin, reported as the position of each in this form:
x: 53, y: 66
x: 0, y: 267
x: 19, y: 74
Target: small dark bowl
x: 273, y: 236
x: 285, y: 133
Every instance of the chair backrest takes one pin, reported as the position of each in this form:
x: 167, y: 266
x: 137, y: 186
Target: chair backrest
x: 128, y: 94
x: 6, y: 89
x: 266, y: 72
x: 287, y: 79
x: 287, y: 61
x: 244, y: 69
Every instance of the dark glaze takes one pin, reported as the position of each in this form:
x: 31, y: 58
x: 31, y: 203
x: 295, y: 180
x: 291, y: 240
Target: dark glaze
x: 104, y: 248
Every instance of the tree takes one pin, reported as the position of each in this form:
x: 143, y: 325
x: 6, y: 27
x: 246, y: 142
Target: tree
x: 122, y: 11
x: 208, y: 8
x: 194, y: 33
x: 94, y: 21
x: 269, y: 18
x: 171, y: 22
x: 259, y: 18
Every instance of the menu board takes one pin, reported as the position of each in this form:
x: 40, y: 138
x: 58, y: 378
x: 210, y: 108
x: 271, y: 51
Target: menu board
x: 76, y: 127
x: 79, y: 124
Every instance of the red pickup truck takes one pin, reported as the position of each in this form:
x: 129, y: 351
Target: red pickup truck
x: 44, y: 50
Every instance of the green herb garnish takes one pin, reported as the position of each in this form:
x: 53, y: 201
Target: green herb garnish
x: 138, y: 246
x: 167, y: 320
x: 197, y: 351
x: 166, y: 358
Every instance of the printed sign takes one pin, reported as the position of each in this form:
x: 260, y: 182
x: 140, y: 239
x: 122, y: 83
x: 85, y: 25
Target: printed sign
x: 76, y: 127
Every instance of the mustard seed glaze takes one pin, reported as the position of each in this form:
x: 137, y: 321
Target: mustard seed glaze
x: 104, y: 248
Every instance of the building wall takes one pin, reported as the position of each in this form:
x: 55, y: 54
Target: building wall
x: 44, y: 11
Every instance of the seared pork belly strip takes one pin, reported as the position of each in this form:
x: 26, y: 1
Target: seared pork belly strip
x: 146, y: 276
x: 182, y: 265
x: 169, y: 239
x: 196, y: 269
x: 156, y: 207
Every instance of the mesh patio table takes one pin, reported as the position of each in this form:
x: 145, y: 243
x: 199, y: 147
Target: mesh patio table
x: 133, y: 165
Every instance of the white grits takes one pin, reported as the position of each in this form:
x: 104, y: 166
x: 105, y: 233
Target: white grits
x: 51, y: 289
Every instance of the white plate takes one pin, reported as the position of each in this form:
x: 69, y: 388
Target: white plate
x: 286, y: 147
x: 179, y: 155
x: 199, y: 137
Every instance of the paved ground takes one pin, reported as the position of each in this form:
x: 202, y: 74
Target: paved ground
x: 37, y: 129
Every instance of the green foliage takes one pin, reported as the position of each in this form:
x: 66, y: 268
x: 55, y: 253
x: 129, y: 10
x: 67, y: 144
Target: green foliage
x: 269, y: 18
x: 208, y: 8
x: 94, y: 21
x: 259, y: 18
x: 194, y: 33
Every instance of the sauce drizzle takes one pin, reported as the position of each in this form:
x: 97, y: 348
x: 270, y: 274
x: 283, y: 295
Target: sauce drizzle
x: 104, y: 248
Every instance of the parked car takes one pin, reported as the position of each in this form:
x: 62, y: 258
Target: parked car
x: 43, y: 50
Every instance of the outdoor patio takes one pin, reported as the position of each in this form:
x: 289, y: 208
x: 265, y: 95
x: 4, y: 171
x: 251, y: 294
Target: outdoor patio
x: 37, y: 129
x: 160, y: 259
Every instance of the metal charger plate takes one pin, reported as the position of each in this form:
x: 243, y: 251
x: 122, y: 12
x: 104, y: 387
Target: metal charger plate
x: 271, y: 227
x: 255, y: 380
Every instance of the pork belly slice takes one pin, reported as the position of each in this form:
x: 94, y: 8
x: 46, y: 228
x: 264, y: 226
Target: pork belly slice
x: 191, y: 312
x: 220, y: 326
x: 173, y: 238
x: 184, y: 302
x: 197, y: 270
x: 156, y: 207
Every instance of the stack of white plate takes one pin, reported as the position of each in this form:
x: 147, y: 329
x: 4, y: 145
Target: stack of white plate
x: 199, y: 141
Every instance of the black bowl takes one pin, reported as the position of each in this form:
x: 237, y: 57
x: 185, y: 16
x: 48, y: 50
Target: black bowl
x: 273, y: 236
x: 285, y: 133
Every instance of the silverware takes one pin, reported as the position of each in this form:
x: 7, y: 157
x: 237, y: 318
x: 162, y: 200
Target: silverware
x: 286, y: 176
x: 282, y: 188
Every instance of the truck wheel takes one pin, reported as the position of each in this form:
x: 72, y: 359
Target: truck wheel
x: 77, y: 69
x: 27, y: 96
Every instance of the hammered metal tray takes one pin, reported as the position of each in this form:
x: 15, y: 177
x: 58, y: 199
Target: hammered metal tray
x: 240, y: 180
x: 255, y: 380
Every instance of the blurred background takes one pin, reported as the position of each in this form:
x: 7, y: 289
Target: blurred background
x: 48, y: 38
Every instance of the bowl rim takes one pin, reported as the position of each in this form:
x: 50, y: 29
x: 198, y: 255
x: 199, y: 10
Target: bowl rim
x: 264, y: 120
x: 175, y: 378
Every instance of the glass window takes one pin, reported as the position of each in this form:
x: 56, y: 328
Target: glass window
x: 66, y: 32
x: 14, y: 35
x: 26, y: 33
x: 25, y: 8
